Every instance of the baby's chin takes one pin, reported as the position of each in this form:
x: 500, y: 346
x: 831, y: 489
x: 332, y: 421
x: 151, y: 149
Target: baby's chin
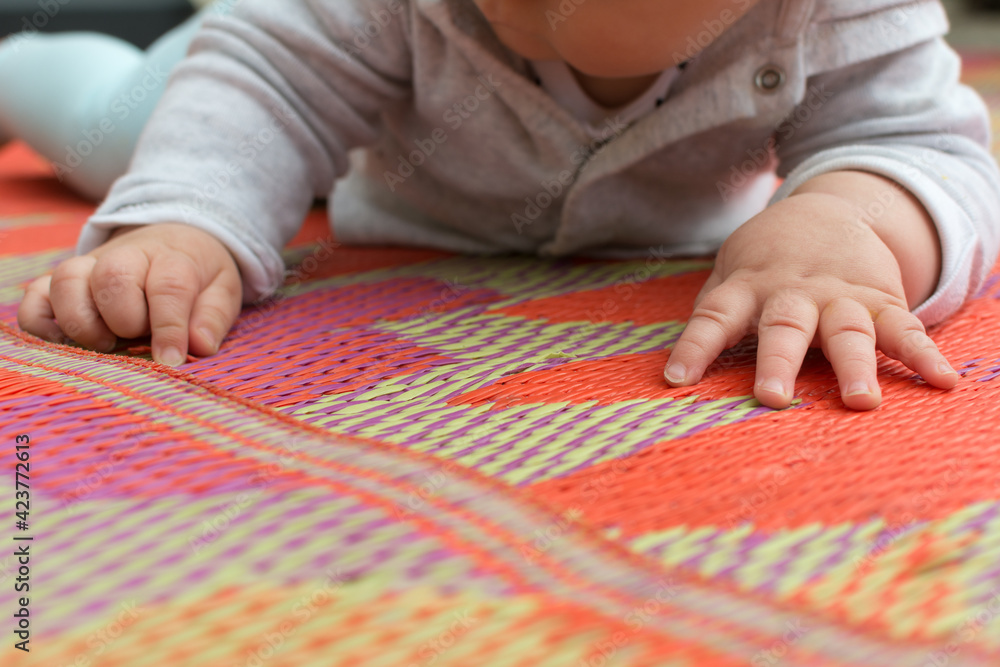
x: 525, y: 44
x: 584, y: 60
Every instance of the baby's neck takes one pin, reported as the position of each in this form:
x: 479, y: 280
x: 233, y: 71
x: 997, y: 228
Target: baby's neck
x: 614, y: 93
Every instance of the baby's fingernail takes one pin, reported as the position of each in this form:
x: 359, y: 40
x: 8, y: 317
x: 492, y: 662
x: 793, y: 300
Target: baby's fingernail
x: 858, y: 388
x: 775, y: 386
x: 171, y: 356
x: 109, y: 347
x: 944, y: 368
x: 676, y: 373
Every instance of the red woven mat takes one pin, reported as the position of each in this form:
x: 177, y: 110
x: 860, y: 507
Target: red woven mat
x: 411, y: 458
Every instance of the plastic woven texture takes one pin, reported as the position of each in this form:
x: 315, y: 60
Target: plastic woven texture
x: 411, y: 458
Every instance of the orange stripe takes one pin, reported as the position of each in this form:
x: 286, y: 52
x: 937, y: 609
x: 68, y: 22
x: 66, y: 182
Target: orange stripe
x: 28, y: 239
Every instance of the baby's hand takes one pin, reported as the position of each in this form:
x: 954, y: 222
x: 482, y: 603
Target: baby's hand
x: 171, y: 280
x: 807, y: 273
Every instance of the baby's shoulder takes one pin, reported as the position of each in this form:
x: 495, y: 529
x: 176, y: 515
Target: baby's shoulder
x: 845, y: 32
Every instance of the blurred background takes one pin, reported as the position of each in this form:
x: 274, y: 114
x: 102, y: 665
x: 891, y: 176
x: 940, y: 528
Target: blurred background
x: 138, y: 21
x: 976, y: 22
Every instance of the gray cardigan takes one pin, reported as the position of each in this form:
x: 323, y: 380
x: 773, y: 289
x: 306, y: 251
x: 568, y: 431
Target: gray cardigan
x: 460, y: 149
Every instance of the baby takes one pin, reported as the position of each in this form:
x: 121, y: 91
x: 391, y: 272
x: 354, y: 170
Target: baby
x: 597, y: 127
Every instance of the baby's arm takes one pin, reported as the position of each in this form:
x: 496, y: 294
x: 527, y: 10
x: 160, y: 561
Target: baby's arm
x: 844, y: 253
x: 254, y: 125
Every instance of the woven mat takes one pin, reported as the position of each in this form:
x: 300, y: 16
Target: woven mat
x: 411, y: 458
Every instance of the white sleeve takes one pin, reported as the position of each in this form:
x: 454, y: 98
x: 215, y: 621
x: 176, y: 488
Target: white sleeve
x: 907, y: 117
x: 257, y: 122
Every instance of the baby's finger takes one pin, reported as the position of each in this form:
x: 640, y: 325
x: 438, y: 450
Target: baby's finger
x: 901, y: 335
x: 215, y: 311
x: 35, y: 315
x: 73, y: 304
x: 117, y: 283
x: 848, y: 337
x: 713, y: 281
x: 171, y: 288
x: 719, y: 322
x: 787, y: 325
